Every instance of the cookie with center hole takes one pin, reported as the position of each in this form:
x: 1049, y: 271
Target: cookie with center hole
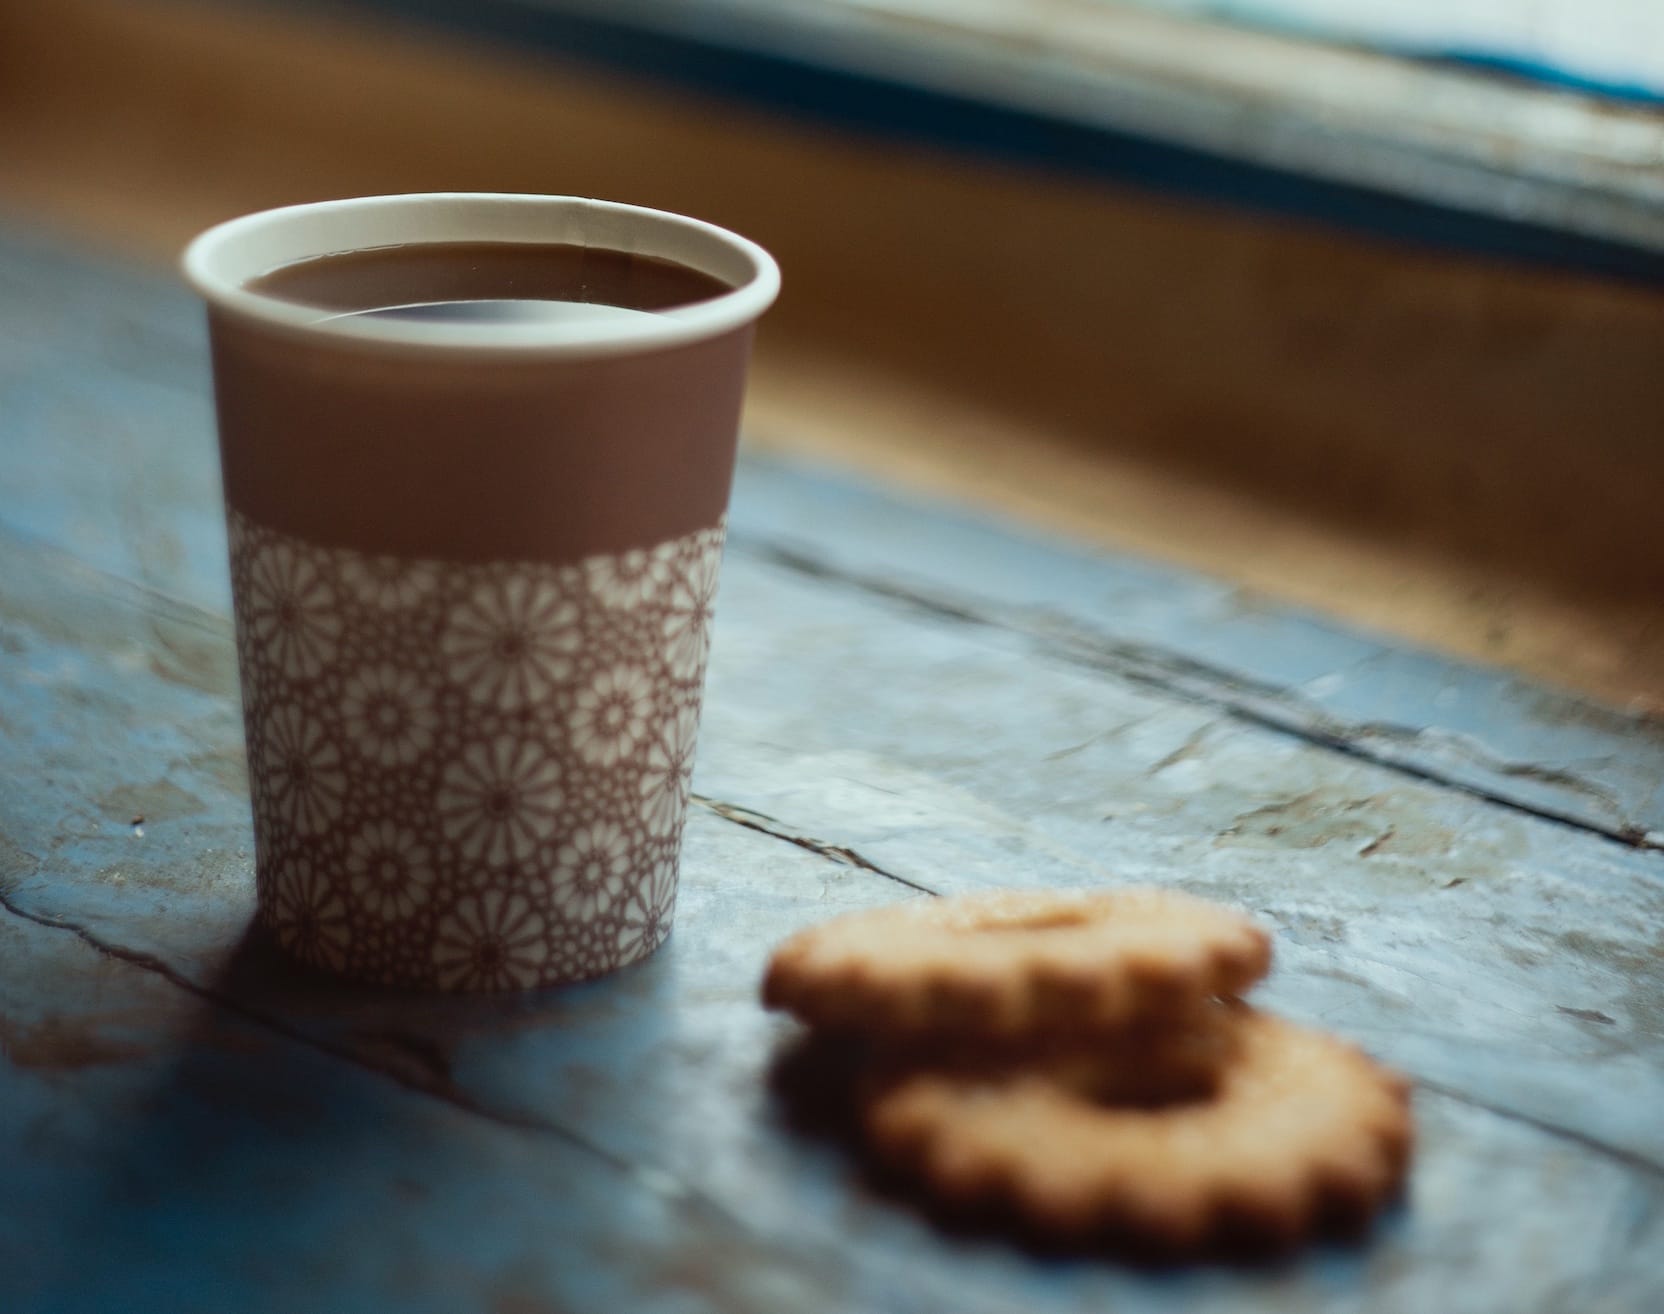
x: 1017, y: 963
x: 1303, y: 1134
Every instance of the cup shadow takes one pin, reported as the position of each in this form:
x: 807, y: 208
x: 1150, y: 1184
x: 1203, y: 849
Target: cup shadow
x: 266, y: 1110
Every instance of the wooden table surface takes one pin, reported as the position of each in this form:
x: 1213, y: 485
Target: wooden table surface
x: 1463, y: 869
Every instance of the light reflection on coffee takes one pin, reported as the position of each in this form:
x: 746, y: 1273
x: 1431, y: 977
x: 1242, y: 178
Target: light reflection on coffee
x: 589, y: 314
x: 486, y: 283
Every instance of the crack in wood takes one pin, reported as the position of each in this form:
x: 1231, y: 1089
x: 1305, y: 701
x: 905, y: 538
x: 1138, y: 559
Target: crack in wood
x: 1184, y: 751
x: 777, y: 829
x: 1466, y: 746
x: 1378, y: 843
x: 1629, y: 1158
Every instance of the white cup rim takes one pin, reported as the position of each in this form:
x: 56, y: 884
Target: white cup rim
x: 220, y: 263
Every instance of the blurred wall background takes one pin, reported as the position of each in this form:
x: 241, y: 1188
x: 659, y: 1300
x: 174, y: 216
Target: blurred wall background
x: 1396, y: 359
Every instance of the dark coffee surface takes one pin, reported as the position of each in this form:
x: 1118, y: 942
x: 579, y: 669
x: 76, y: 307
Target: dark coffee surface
x: 430, y: 272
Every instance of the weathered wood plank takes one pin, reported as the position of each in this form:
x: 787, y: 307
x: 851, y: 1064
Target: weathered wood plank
x: 1476, y: 727
x: 662, y: 1070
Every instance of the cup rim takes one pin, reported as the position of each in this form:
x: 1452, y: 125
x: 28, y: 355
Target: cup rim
x: 219, y: 262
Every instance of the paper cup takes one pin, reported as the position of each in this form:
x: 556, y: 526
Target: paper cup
x: 473, y: 568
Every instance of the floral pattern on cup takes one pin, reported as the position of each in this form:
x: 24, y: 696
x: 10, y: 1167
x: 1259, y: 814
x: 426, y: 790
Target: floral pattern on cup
x: 469, y: 776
